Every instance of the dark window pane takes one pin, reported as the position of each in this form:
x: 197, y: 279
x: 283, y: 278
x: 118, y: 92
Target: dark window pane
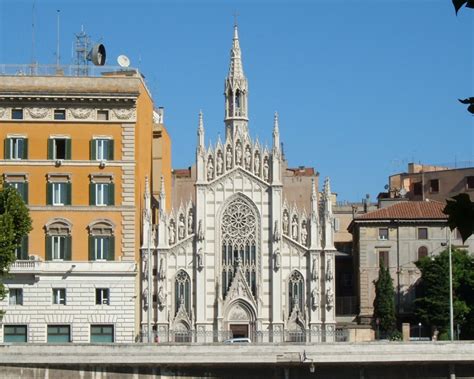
x: 17, y: 114
x: 470, y: 182
x: 422, y: 252
x: 14, y: 333
x: 383, y: 259
x: 434, y: 185
x: 59, y: 334
x: 422, y: 233
x: 102, y: 333
x: 59, y: 114
x: 383, y: 233
x: 417, y: 189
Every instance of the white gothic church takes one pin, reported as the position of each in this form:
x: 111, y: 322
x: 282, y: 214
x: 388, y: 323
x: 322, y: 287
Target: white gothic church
x: 249, y: 252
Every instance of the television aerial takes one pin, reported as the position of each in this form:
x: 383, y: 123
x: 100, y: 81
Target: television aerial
x: 123, y: 61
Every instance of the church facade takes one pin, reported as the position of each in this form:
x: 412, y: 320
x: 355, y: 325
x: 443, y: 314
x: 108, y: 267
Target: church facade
x: 240, y: 258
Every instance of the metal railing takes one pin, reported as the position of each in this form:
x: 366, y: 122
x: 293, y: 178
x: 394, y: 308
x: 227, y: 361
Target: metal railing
x: 266, y: 336
x: 63, y: 70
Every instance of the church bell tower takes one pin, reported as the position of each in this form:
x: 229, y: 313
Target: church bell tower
x: 236, y: 92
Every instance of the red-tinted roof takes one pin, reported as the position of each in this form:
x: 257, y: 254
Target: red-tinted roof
x: 408, y: 210
x: 182, y: 172
x: 302, y: 171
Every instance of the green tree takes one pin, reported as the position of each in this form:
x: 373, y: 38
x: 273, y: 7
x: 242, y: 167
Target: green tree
x: 384, y: 302
x: 15, y: 222
x: 432, y: 303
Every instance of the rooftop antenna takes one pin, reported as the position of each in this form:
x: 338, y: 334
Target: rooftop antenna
x: 33, y: 22
x: 58, y: 57
x: 86, y: 52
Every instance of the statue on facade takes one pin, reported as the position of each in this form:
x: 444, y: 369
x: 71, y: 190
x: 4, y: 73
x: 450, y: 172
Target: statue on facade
x: 315, y: 298
x: 329, y: 275
x: 238, y: 154
x: 162, y: 271
x: 219, y: 164
x: 257, y: 164
x: 329, y: 298
x: 228, y: 158
x: 294, y: 229
x: 276, y: 232
x: 190, y: 222
x: 199, y: 259
x: 265, y: 169
x: 210, y: 169
x: 161, y: 297
x: 171, y: 233
x: 181, y: 228
x: 200, y: 233
x: 304, y: 233
x: 248, y: 159
x: 276, y: 260
x: 285, y: 222
x: 315, y: 269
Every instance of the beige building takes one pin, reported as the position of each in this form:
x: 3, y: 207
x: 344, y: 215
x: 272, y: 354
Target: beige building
x: 396, y: 237
x: 423, y: 182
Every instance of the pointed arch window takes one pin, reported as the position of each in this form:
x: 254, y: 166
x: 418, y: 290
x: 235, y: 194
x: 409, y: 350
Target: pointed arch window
x: 239, y: 244
x: 182, y: 291
x: 296, y: 290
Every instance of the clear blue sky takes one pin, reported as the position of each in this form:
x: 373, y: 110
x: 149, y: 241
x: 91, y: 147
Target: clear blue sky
x: 362, y: 87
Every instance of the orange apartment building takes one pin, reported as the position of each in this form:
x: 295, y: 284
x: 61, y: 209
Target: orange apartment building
x: 79, y: 150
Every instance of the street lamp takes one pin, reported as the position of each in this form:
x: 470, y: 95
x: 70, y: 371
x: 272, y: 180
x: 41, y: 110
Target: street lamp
x: 451, y: 316
x: 419, y: 331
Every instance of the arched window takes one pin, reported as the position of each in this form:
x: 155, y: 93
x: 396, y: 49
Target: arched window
x: 296, y: 290
x: 58, y: 240
x: 422, y: 252
x: 182, y: 291
x: 237, y: 99
x: 239, y: 235
x: 101, y: 240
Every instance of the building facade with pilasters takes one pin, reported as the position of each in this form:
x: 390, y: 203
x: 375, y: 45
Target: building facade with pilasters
x: 240, y: 257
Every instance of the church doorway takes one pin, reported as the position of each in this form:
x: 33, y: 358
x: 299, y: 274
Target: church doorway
x: 239, y: 330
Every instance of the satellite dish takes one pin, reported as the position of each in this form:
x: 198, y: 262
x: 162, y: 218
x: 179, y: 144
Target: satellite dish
x: 403, y: 192
x: 123, y: 61
x: 97, y: 55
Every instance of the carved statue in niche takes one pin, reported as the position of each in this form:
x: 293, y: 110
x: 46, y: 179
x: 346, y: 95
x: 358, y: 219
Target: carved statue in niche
x: 315, y: 269
x: 329, y: 274
x: 257, y: 164
x: 329, y: 298
x: 145, y: 297
x: 219, y: 164
x: 265, y: 169
x: 238, y: 154
x: 210, y: 169
x: 190, y: 222
x: 304, y: 233
x: 315, y: 298
x: 294, y: 229
x: 276, y: 232
x: 285, y: 222
x: 161, y: 297
x: 181, y: 227
x: 171, y: 232
x: 276, y: 259
x: 162, y: 271
x: 199, y: 259
x: 228, y: 158
x: 200, y: 233
x: 248, y: 159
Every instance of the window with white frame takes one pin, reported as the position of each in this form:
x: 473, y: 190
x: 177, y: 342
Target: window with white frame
x: 102, y: 193
x: 58, y: 247
x: 101, y: 190
x: 58, y: 240
x: 15, y: 148
x: 101, y: 240
x: 59, y: 189
x: 102, y: 296
x: 59, y: 193
x: 102, y: 149
x: 15, y: 296
x: 59, y: 296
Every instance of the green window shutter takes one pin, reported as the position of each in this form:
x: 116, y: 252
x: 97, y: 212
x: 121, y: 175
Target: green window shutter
x: 67, y: 248
x: 6, y: 148
x: 25, y: 192
x: 111, y: 150
x: 91, y: 193
x: 68, y: 148
x: 49, y: 244
x: 111, y: 189
x: 25, y: 149
x: 24, y: 248
x: 93, y: 153
x: 68, y: 193
x: 49, y: 193
x: 50, y: 148
x: 91, y: 248
x: 111, y: 251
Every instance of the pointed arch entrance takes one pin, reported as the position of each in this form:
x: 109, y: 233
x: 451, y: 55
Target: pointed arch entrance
x: 240, y: 319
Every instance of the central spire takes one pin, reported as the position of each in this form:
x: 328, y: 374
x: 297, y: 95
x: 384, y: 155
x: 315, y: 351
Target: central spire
x: 236, y: 69
x: 235, y: 92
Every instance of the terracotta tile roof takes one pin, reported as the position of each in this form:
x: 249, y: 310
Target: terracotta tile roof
x: 408, y: 210
x: 182, y: 172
